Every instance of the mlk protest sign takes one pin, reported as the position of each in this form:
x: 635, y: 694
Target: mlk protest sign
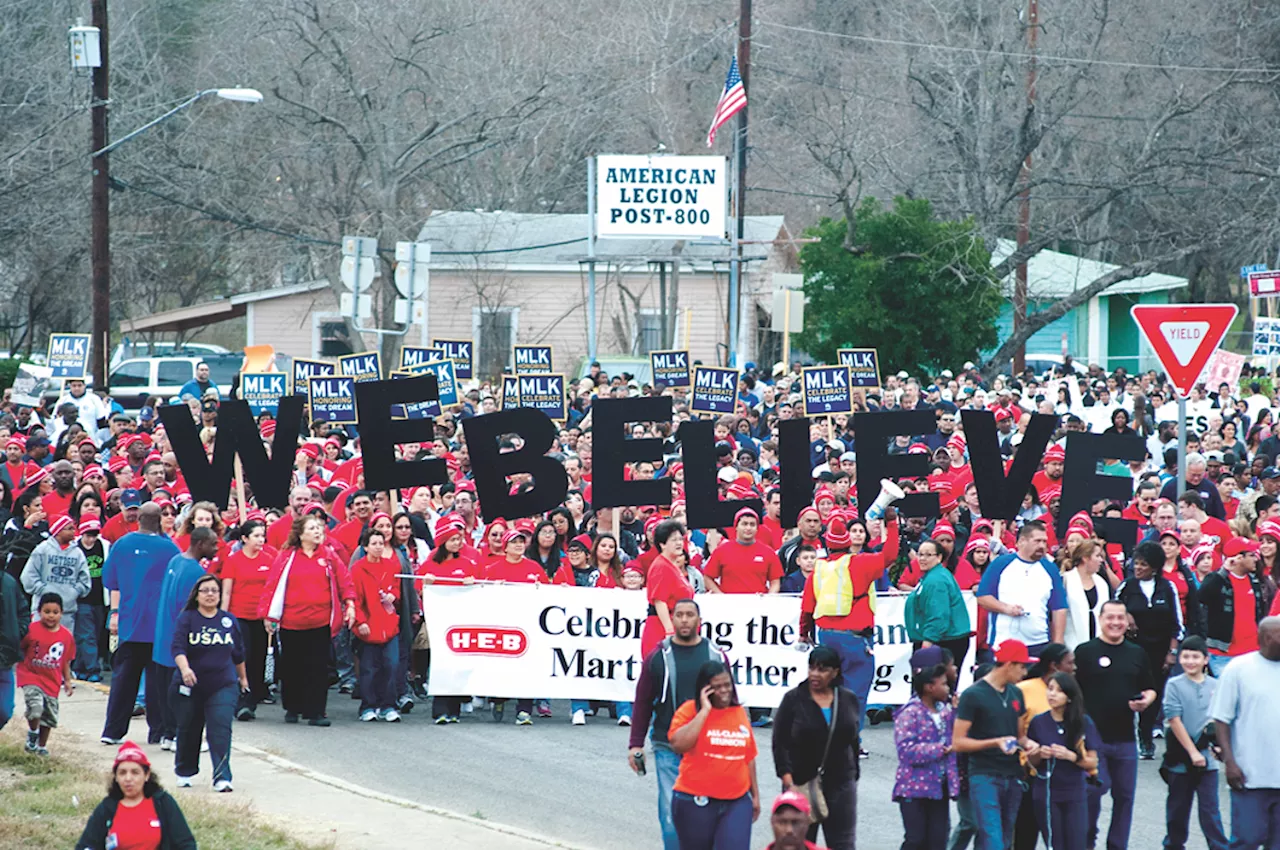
x: 714, y: 390
x: 365, y: 366
x: 414, y: 355
x: 531, y: 358
x: 459, y: 351
x: 670, y: 368
x: 68, y: 357
x: 864, y: 366
x: 509, y: 396
x: 559, y: 642
x: 333, y: 399
x: 304, y: 370
x: 263, y: 390
x: 544, y: 393
x: 825, y: 390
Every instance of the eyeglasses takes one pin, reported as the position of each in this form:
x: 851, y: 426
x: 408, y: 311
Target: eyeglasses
x: 209, y: 588
x: 168, y: 513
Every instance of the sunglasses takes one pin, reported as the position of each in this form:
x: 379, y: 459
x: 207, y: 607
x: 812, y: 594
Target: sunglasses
x: 168, y: 513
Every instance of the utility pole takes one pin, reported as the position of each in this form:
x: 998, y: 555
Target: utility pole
x: 1024, y: 196
x: 100, y: 207
x: 740, y: 193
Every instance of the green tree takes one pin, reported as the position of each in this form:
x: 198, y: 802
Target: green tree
x: 918, y: 289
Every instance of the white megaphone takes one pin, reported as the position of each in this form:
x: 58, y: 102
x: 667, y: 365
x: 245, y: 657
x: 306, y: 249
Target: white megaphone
x: 889, y: 493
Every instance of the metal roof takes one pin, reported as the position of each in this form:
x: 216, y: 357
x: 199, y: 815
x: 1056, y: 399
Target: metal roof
x: 1051, y: 274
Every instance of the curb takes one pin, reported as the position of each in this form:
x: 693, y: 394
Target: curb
x: 370, y: 794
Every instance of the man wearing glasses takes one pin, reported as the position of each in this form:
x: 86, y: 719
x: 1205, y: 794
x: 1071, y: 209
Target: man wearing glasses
x: 946, y: 428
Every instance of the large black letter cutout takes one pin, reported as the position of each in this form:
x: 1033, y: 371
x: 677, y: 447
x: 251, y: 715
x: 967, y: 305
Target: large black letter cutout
x: 794, y: 479
x: 611, y: 450
x: 1000, y: 496
x: 1082, y: 485
x: 270, y: 478
x: 380, y: 434
x: 701, y: 495
x: 874, y: 431
x: 491, y: 467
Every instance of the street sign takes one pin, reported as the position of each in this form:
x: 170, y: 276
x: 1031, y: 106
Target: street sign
x: 1245, y: 271
x: 1264, y: 283
x: 1184, y: 336
x: 365, y: 246
x: 404, y: 315
x: 413, y: 260
x: 365, y: 305
x: 368, y: 271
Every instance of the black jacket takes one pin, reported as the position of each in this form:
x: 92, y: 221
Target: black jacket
x: 1156, y: 621
x: 174, y: 832
x: 800, y: 735
x: 1218, y: 603
x: 14, y: 620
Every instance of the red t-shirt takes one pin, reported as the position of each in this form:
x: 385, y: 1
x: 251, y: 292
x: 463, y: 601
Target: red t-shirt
x: 135, y: 827
x: 1244, y: 630
x: 1179, y: 582
x: 278, y: 531
x: 771, y: 532
x: 248, y: 578
x: 54, y: 504
x: 665, y: 583
x: 451, y: 571
x: 1216, y: 528
x: 523, y: 571
x: 743, y: 568
x: 43, y: 654
x: 308, y: 602
x: 116, y: 528
x: 348, y: 534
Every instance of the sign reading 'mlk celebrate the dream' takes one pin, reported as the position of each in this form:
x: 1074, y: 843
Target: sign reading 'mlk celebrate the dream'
x: 714, y: 390
x: 670, y: 368
x: 826, y: 390
x: 68, y: 356
x: 676, y: 197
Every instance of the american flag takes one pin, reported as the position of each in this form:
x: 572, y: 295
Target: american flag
x: 732, y: 99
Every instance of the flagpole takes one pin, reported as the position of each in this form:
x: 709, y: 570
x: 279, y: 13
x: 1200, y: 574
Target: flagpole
x: 740, y: 174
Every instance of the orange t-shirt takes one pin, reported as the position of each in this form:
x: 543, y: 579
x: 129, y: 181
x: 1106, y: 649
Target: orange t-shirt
x: 719, y: 764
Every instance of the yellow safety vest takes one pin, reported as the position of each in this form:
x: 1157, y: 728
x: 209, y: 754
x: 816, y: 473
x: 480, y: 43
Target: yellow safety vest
x: 833, y: 588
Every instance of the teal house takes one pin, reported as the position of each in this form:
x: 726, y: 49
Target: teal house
x: 1099, y: 331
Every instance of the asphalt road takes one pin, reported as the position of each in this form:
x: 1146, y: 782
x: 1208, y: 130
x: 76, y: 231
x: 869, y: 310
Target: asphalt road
x: 572, y: 783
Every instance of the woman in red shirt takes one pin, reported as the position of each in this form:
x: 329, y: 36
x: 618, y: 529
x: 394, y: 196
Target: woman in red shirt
x: 378, y: 627
x: 308, y: 597
x: 447, y: 565
x: 137, y: 813
x: 516, y: 568
x: 605, y: 559
x: 492, y: 549
x: 244, y: 576
x: 666, y: 585
x: 205, y: 515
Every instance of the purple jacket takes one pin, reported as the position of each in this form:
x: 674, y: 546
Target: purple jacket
x: 920, y: 759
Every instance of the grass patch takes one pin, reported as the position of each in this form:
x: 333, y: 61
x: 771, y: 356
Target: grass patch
x: 45, y: 802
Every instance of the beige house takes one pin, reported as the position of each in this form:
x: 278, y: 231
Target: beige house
x: 481, y: 289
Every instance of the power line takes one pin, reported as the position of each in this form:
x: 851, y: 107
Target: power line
x: 1039, y: 57
x: 117, y: 183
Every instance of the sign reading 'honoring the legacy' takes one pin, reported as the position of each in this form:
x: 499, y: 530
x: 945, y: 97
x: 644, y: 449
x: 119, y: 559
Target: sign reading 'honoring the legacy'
x: 674, y: 197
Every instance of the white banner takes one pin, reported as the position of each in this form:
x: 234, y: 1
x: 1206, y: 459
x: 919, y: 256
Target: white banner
x: 556, y: 642
x: 661, y: 196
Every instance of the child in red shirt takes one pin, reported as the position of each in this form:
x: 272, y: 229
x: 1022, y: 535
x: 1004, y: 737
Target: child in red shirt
x: 377, y: 627
x: 47, y: 652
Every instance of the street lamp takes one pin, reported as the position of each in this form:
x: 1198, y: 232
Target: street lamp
x: 100, y: 250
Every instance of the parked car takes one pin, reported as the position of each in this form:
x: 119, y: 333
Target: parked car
x: 138, y: 378
x: 133, y: 350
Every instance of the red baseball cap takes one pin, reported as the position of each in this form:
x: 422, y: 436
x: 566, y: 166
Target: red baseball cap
x: 794, y: 799
x: 1238, y: 546
x: 1015, y: 652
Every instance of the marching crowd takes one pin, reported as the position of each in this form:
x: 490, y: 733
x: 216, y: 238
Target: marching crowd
x: 1085, y: 648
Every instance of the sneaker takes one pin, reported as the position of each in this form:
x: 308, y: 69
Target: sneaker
x: 624, y: 720
x: 543, y: 707
x: 1146, y: 751
x: 523, y: 719
x: 469, y: 708
x: 390, y: 715
x: 95, y: 678
x: 762, y: 722
x: 453, y: 718
x: 168, y: 744
x: 182, y: 781
x: 499, y: 708
x: 319, y: 721
x: 345, y: 689
x: 111, y: 742
x: 139, y: 709
x: 405, y: 704
x: 579, y: 718
x: 290, y: 717
x: 442, y: 720
x: 244, y: 712
x: 42, y: 751
x: 1158, y: 732
x: 33, y: 741
x: 419, y: 689
x: 863, y: 753
x: 368, y: 715
x: 222, y: 786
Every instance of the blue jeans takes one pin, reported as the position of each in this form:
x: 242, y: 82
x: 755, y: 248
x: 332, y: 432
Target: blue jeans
x: 1203, y: 786
x: 344, y: 658
x: 202, y: 715
x: 89, y: 622
x: 7, y: 695
x: 1218, y: 663
x: 995, y: 801
x: 666, y: 764
x: 1255, y: 819
x: 716, y: 825
x: 1117, y: 774
x: 964, y: 830
x: 857, y: 663
x: 379, y: 663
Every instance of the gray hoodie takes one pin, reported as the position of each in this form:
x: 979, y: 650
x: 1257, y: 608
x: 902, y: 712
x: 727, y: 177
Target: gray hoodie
x: 52, y: 569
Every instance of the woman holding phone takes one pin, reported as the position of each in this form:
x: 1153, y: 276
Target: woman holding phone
x: 716, y: 796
